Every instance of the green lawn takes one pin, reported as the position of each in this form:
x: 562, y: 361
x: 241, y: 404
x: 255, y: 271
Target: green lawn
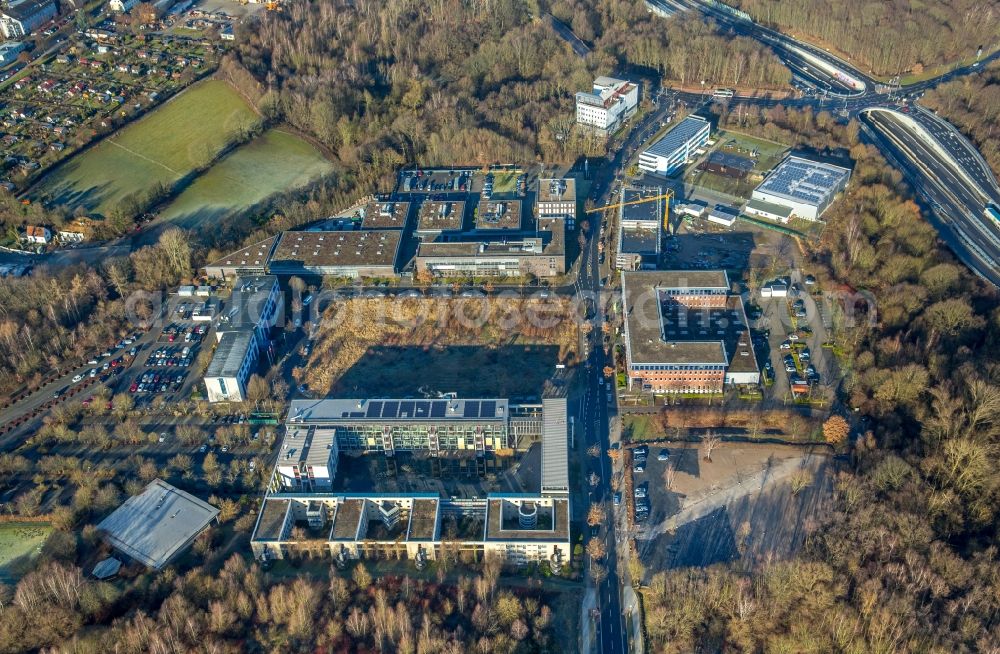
x: 504, y: 182
x: 769, y: 153
x: 183, y: 134
x: 276, y: 161
x: 20, y: 543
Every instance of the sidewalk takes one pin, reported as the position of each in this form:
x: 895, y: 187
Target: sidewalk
x: 633, y: 617
x: 587, y: 631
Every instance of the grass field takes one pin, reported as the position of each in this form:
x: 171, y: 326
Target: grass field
x: 769, y: 153
x: 504, y: 182
x: 183, y: 134
x: 20, y: 542
x: 276, y: 161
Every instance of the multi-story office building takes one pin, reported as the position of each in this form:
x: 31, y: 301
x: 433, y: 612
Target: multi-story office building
x: 520, y: 528
x: 541, y: 253
x: 608, y: 104
x: 556, y: 198
x: 676, y: 148
x: 307, y: 461
x: 685, y: 332
x: 255, y: 307
x: 640, y: 231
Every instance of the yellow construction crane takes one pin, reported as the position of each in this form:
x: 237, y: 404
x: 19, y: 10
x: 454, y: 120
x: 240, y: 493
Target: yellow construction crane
x: 653, y: 198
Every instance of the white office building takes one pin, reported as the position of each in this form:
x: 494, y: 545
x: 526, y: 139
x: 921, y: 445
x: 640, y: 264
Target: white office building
x: 676, y: 148
x: 252, y: 311
x: 804, y: 186
x: 307, y: 461
x: 608, y: 104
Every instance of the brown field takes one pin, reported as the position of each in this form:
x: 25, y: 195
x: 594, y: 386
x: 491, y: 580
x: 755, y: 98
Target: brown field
x: 413, y: 347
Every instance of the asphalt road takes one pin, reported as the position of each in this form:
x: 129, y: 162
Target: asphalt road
x: 957, y: 204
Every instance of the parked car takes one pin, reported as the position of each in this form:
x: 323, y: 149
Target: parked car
x: 663, y: 455
x: 617, y: 499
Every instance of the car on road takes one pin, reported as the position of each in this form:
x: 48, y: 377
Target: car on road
x: 203, y: 449
x: 617, y: 499
x: 472, y: 292
x: 163, y: 436
x: 809, y: 280
x: 793, y: 336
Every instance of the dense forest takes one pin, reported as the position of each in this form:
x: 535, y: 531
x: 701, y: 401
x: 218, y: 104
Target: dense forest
x: 887, y: 38
x: 907, y: 562
x: 229, y: 605
x: 972, y: 104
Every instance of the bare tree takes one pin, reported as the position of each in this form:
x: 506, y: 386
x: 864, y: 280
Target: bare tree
x: 669, y: 473
x: 596, y: 548
x: 710, y: 442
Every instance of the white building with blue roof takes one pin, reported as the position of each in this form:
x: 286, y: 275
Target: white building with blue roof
x: 676, y: 147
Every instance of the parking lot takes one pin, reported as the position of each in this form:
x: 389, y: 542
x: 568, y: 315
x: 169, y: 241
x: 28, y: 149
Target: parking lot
x: 789, y: 336
x: 750, y: 500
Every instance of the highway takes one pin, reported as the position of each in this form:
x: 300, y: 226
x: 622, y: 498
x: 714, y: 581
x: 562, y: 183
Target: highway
x: 957, y: 202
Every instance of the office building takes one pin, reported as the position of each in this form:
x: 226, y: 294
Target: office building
x: 556, y: 198
x: 538, y: 253
x: 156, y: 525
x: 419, y: 527
x: 805, y: 187
x: 9, y: 51
x: 349, y: 254
x: 307, y: 460
x: 607, y: 105
x: 437, y: 217
x: 685, y: 333
x: 19, y: 19
x: 676, y: 148
x: 640, y: 229
x: 299, y: 515
x: 255, y: 307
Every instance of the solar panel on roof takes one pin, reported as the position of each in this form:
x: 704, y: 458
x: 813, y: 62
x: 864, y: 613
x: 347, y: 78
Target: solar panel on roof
x: 471, y: 409
x: 438, y: 409
x: 357, y: 414
x: 488, y: 409
x: 390, y: 409
x: 374, y: 409
x: 421, y: 409
x: 406, y: 407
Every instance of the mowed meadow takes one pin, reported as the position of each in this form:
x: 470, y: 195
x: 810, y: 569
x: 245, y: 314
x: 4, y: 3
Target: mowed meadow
x: 174, y: 141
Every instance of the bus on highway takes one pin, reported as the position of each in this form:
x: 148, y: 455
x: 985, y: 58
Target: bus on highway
x: 723, y: 93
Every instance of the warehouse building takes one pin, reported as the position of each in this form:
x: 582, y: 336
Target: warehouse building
x: 804, y: 186
x: 349, y: 254
x: 607, y: 105
x: 157, y: 525
x: 676, y: 148
x: 685, y: 333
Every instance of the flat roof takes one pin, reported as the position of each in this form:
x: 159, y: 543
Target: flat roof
x: 423, y: 520
x: 498, y: 214
x: 805, y: 181
x: 255, y: 255
x: 655, y: 334
x: 384, y: 214
x: 646, y: 211
x: 770, y: 207
x: 230, y: 353
x: 347, y: 519
x: 310, y: 446
x: 352, y: 249
x: 441, y: 216
x: 153, y: 526
x: 639, y: 241
x: 271, y: 522
x: 685, y: 130
x: 549, y: 240
x: 502, y: 522
x: 561, y: 189
x: 402, y: 410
